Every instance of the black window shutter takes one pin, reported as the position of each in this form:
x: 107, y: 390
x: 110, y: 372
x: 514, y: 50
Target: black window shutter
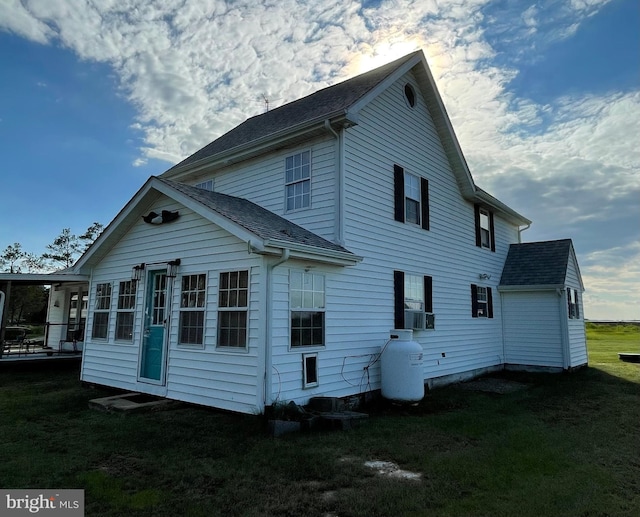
x: 474, y: 300
x: 424, y: 191
x: 569, y: 302
x: 476, y: 214
x: 489, y: 303
x: 398, y: 185
x: 428, y: 294
x: 492, y: 231
x: 577, y: 304
x: 398, y: 299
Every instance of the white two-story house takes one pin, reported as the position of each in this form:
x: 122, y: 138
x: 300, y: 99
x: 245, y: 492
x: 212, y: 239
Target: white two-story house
x: 273, y: 263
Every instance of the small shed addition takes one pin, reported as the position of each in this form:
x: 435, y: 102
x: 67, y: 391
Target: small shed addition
x: 541, y: 295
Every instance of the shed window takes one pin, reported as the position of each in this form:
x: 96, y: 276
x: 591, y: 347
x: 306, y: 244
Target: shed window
x: 573, y: 304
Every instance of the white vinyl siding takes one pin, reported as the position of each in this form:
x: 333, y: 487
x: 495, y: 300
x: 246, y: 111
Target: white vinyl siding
x: 532, y: 328
x: 576, y: 329
x: 203, y: 375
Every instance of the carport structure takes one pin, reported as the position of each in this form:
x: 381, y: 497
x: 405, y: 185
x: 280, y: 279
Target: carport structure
x: 66, y: 312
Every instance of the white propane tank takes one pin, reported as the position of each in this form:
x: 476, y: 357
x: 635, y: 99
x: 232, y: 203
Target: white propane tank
x: 401, y: 371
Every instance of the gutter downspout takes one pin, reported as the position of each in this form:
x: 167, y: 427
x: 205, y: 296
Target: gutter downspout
x: 338, y: 228
x: 520, y: 232
x: 268, y: 308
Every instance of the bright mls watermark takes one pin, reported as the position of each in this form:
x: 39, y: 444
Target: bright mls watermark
x: 67, y: 503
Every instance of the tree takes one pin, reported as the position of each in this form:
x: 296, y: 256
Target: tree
x: 63, y: 249
x: 92, y: 233
x: 12, y: 256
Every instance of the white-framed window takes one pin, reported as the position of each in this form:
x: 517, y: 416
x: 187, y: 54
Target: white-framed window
x: 485, y: 230
x: 297, y: 174
x: 205, y: 185
x: 192, y: 303
x: 414, y: 292
x: 125, y: 310
x: 481, y: 301
x: 573, y: 304
x: 233, y: 308
x: 309, y: 370
x: 307, y: 304
x: 411, y: 198
x: 102, y: 306
x: 485, y: 233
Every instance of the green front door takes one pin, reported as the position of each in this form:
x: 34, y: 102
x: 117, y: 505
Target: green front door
x: 152, y: 354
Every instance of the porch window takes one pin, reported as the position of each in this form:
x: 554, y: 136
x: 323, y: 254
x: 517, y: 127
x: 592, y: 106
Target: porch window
x: 307, y: 302
x: 233, y: 305
x: 481, y: 302
x: 125, y: 311
x: 298, y: 181
x: 192, y: 302
x: 101, y: 312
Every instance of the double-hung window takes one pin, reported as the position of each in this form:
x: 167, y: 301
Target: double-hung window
x: 101, y: 311
x: 307, y: 303
x: 125, y: 311
x: 481, y: 302
x: 233, y: 304
x: 485, y: 231
x: 298, y: 181
x: 192, y: 302
x: 413, y: 301
x: 411, y: 196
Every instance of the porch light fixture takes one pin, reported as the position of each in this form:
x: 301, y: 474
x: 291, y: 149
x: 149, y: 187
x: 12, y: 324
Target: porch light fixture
x: 137, y: 272
x: 172, y: 268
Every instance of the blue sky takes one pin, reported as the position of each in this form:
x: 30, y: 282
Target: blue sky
x: 544, y: 98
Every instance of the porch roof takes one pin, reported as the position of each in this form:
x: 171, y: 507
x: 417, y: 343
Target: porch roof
x: 42, y: 278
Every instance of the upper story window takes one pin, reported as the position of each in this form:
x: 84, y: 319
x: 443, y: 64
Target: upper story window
x: 485, y: 230
x: 298, y: 181
x: 573, y: 304
x: 205, y: 185
x: 411, y: 198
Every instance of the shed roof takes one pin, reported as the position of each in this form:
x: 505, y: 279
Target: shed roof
x: 537, y: 263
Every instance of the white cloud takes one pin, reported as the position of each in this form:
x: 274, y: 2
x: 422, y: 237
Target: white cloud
x: 195, y: 68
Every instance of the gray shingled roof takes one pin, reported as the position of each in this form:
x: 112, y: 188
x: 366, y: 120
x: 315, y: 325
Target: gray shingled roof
x: 321, y: 104
x: 254, y: 218
x: 537, y: 263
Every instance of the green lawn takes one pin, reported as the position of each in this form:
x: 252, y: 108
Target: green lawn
x: 566, y: 446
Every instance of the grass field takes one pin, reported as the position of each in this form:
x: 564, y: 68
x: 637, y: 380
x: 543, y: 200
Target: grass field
x: 568, y: 445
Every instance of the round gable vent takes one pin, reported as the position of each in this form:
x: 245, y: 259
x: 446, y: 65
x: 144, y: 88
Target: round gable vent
x: 410, y: 95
